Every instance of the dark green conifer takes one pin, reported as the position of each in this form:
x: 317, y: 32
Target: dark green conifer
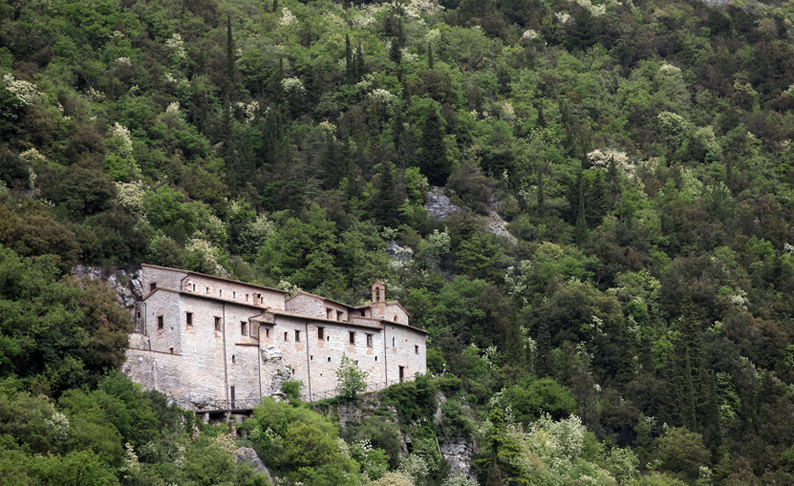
x: 433, y: 161
x: 386, y: 205
x: 430, y: 60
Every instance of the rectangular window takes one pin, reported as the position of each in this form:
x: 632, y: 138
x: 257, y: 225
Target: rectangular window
x: 243, y: 328
x: 369, y: 340
x: 285, y: 336
x: 329, y: 314
x: 234, y: 295
x: 246, y: 297
x: 160, y: 322
x: 416, y: 348
x: 297, y: 336
x: 339, y: 315
x: 189, y: 318
x: 171, y: 350
x: 220, y: 293
x: 217, y: 323
x: 267, y: 332
x: 352, y: 337
x: 321, y: 333
x: 194, y: 287
x: 152, y: 286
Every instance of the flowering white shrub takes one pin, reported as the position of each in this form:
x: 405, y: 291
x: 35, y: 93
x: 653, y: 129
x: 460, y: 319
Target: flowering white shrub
x: 173, y: 108
x: 563, y: 18
x: 122, y: 134
x: 595, y: 10
x: 25, y: 92
x: 124, y: 62
x: 441, y: 242
x: 32, y: 155
x: 669, y: 69
x: 203, y: 247
x: 249, y: 110
x: 602, y: 159
x: 529, y: 35
x: 287, y: 17
x: 292, y: 84
x: 130, y: 196
x: 381, y: 95
x: 177, y: 45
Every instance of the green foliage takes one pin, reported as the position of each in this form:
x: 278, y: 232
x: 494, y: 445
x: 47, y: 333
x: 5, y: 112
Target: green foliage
x: 350, y: 380
x: 292, y: 389
x: 531, y: 399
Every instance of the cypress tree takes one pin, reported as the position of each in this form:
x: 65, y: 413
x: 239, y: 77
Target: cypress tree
x: 433, y: 160
x: 349, y: 67
x: 430, y: 60
x: 580, y: 234
x: 387, y: 202
x: 358, y: 62
x: 230, y: 51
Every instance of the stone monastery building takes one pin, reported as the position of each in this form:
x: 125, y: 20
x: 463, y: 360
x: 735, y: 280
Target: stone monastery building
x: 215, y: 344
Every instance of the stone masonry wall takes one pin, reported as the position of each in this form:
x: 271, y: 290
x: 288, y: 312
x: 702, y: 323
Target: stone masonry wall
x: 204, y: 368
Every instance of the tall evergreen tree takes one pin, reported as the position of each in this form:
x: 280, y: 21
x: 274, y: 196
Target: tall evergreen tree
x: 430, y: 61
x: 230, y: 53
x: 433, y: 161
x: 386, y: 204
x: 580, y: 234
x: 349, y: 66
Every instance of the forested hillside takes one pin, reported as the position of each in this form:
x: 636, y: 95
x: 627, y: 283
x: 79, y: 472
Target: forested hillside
x: 635, y: 326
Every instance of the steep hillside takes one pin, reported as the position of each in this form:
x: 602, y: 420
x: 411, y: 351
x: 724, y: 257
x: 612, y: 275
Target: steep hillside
x: 638, y: 153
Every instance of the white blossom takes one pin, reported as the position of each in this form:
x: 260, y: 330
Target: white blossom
x: 24, y: 91
x: 529, y: 35
x: 124, y: 61
x: 122, y: 133
x: 381, y: 95
x: 287, y: 17
x: 249, y: 110
x: 563, y: 17
x: 176, y: 44
x: 173, y: 108
x: 292, y: 84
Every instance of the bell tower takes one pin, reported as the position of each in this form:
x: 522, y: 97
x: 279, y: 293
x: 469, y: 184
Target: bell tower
x: 378, y: 292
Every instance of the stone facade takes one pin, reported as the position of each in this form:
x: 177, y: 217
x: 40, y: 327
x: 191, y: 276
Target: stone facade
x: 216, y: 344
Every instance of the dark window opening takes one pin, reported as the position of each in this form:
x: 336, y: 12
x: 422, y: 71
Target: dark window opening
x: 297, y: 336
x: 243, y: 328
x: 376, y: 358
x: 189, y: 318
x: 234, y: 360
x: 311, y: 358
x: 159, y: 322
x: 392, y: 342
x: 217, y: 323
x: 194, y: 287
x: 416, y: 348
x: 395, y: 317
x: 220, y: 293
x: 285, y: 336
x: 369, y: 340
x: 152, y: 286
x: 352, y: 337
x: 321, y: 333
x: 231, y: 395
x: 234, y: 295
x: 171, y: 350
x: 267, y: 332
x: 339, y: 315
x: 402, y: 374
x: 329, y: 359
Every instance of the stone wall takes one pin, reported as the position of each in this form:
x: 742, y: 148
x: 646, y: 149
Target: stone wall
x: 253, y: 349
